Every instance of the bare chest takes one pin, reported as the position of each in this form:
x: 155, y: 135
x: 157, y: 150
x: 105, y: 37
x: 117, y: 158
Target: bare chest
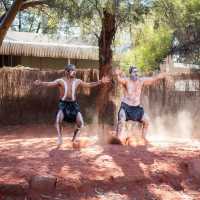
x: 133, y: 87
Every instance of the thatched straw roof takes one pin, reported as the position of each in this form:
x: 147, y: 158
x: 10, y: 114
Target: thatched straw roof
x: 20, y: 45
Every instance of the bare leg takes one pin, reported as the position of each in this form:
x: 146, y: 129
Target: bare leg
x: 59, y: 119
x: 145, y: 125
x: 121, y: 124
x: 80, y: 124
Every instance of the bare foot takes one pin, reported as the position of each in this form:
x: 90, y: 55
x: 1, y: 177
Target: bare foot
x: 59, y: 143
x: 130, y: 141
x: 76, y: 144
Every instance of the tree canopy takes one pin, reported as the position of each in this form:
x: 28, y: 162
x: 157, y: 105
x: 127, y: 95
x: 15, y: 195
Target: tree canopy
x: 159, y: 27
x: 101, y: 17
x: 172, y: 27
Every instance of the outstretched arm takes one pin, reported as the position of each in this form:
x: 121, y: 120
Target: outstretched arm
x: 104, y: 80
x: 151, y: 80
x: 47, y: 84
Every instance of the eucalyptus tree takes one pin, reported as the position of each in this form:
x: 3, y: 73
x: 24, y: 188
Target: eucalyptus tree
x: 9, y: 10
x: 171, y: 27
x: 103, y: 18
x: 183, y: 18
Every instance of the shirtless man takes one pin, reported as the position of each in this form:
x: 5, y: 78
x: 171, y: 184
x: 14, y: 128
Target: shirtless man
x: 131, y: 108
x: 69, y: 110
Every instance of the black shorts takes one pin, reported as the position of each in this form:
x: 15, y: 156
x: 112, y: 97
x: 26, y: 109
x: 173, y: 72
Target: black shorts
x: 134, y: 113
x: 70, y: 110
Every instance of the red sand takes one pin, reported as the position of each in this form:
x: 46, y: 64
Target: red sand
x: 106, y: 172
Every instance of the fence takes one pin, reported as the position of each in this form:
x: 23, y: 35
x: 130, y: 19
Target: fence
x: 21, y: 102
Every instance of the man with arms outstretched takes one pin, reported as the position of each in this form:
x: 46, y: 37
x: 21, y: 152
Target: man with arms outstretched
x: 131, y: 108
x: 69, y: 110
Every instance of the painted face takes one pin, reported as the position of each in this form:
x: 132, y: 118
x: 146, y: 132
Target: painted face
x: 134, y: 74
x: 71, y: 73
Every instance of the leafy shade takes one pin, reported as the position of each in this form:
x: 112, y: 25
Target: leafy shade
x: 184, y: 18
x: 151, y: 47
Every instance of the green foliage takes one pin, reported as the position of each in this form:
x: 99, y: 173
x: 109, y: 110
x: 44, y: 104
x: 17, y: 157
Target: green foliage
x: 88, y: 14
x: 152, y: 46
x: 50, y: 22
x: 61, y: 15
x: 175, y: 23
x: 183, y: 17
x: 4, y: 5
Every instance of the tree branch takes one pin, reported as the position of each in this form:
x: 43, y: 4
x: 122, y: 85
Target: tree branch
x: 96, y: 7
x: 11, y: 14
x: 186, y: 47
x: 96, y: 35
x: 98, y: 10
x: 4, y: 4
x: 2, y: 16
x: 9, y: 18
x: 28, y: 4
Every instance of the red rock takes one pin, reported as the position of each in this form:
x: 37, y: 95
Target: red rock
x: 43, y: 184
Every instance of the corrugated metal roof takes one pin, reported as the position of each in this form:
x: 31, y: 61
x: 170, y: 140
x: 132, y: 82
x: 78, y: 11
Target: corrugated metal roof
x: 15, y: 45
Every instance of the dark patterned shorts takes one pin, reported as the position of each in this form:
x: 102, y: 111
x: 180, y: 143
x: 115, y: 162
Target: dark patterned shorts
x: 70, y: 110
x: 134, y: 113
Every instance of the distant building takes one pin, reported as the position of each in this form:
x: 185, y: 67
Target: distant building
x: 38, y: 51
x: 172, y: 65
x: 184, y: 83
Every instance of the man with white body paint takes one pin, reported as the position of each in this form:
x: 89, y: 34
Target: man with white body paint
x: 69, y: 110
x: 131, y: 108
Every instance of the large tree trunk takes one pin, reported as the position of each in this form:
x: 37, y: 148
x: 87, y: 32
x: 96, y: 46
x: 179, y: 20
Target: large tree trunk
x: 106, y: 105
x: 105, y: 41
x: 9, y: 18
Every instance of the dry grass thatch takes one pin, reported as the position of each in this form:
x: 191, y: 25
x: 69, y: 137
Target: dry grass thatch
x: 22, y: 102
x: 21, y: 48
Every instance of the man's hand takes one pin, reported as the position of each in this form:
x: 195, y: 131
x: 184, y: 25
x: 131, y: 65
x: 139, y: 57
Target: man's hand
x: 169, y: 81
x: 37, y: 82
x: 120, y: 76
x: 117, y: 72
x: 105, y: 79
x: 162, y: 75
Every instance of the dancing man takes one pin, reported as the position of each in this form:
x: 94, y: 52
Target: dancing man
x: 69, y: 110
x: 131, y: 108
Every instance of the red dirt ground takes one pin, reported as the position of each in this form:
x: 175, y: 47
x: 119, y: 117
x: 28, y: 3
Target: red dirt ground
x: 103, y: 172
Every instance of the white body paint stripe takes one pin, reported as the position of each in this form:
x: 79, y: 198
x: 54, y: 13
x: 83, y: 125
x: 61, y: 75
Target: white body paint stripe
x: 73, y: 89
x: 65, y: 89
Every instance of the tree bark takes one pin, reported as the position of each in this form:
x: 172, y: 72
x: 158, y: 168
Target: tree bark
x: 105, y: 41
x: 38, y: 28
x: 9, y: 18
x: 106, y: 107
x: 20, y: 21
x: 28, y: 4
